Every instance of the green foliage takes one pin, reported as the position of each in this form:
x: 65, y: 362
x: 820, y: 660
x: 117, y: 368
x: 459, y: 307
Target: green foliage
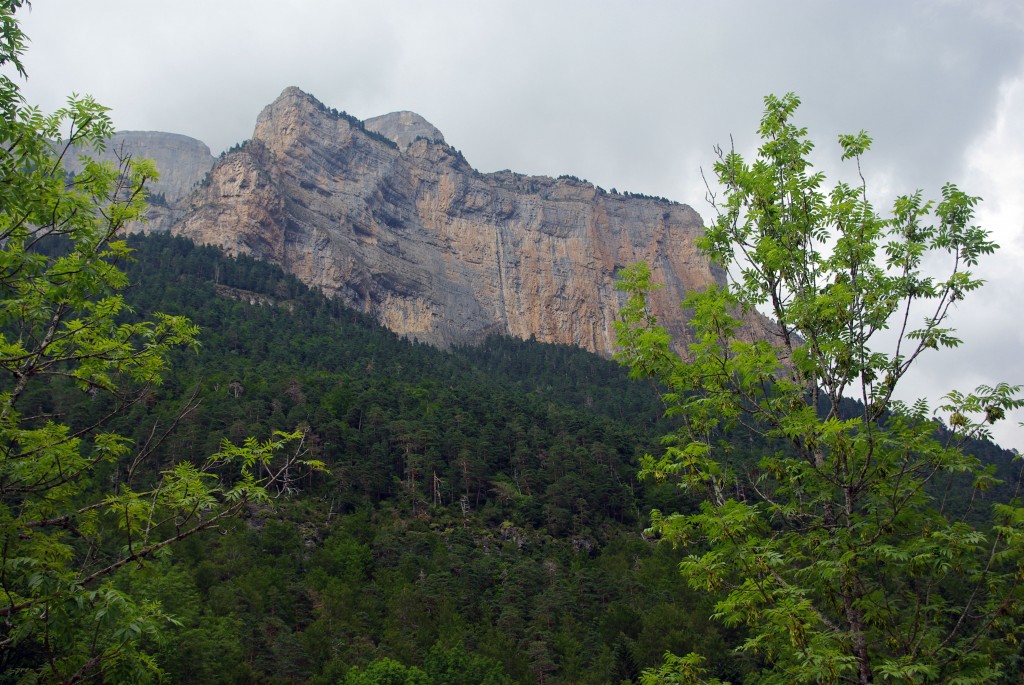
x: 386, y: 672
x: 77, y: 502
x: 527, y: 555
x: 454, y: 666
x: 839, y: 556
x: 685, y: 670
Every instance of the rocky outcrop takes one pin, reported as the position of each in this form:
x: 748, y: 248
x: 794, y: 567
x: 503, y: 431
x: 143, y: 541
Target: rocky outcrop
x: 386, y: 216
x: 403, y: 128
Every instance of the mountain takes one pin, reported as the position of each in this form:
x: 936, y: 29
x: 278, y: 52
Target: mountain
x: 403, y: 128
x: 387, y: 216
x: 183, y: 162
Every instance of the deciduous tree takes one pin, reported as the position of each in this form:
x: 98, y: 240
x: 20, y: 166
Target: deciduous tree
x: 79, y: 503
x: 837, y: 556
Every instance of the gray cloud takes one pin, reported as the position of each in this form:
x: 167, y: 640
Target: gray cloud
x: 599, y: 87
x: 628, y: 95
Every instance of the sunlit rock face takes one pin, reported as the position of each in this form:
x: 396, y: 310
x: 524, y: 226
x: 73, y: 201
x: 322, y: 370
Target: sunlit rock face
x: 386, y: 216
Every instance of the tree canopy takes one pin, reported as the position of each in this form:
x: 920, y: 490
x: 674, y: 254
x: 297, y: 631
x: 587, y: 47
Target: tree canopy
x: 839, y: 555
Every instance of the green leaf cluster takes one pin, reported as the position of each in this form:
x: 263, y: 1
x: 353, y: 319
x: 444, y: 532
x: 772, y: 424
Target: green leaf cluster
x: 78, y: 504
x: 839, y: 556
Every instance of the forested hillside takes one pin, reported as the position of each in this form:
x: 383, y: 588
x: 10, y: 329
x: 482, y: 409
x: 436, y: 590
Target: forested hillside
x: 479, y: 517
x: 478, y: 520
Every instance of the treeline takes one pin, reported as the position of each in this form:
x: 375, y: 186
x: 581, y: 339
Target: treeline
x: 353, y: 121
x: 613, y: 191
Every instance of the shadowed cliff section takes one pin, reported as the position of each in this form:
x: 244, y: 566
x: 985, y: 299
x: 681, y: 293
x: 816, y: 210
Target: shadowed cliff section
x: 400, y: 226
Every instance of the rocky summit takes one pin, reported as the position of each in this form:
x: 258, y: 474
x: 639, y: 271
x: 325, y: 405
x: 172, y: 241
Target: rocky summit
x: 387, y: 216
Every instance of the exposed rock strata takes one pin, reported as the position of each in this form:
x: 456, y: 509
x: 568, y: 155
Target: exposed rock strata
x: 435, y: 250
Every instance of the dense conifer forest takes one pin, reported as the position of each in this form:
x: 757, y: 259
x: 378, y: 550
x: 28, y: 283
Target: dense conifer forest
x: 478, y: 519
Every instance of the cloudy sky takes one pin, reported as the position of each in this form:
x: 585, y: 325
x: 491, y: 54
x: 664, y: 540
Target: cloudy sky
x: 630, y: 95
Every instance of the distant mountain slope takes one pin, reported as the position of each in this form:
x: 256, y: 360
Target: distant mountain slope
x: 182, y: 161
x: 480, y: 499
x: 404, y: 128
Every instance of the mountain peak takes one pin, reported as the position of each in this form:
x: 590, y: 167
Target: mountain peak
x: 403, y: 127
x: 293, y: 92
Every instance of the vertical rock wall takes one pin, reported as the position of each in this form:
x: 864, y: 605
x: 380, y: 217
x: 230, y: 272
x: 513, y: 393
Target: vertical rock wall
x: 396, y: 223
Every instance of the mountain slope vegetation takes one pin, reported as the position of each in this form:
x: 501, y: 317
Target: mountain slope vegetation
x: 479, y: 516
x: 479, y: 506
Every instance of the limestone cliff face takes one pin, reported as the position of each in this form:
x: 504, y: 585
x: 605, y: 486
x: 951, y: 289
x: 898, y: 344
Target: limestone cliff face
x: 408, y: 232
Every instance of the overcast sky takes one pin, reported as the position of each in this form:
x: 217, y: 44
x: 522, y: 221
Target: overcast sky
x: 630, y: 95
